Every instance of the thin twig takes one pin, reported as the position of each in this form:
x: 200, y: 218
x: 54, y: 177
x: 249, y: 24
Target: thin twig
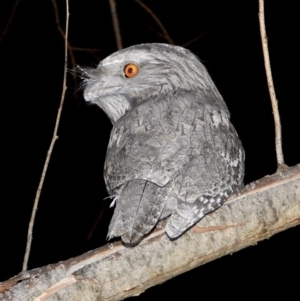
x: 54, y: 138
x: 62, y: 33
x: 10, y: 20
x: 92, y: 51
x: 155, y: 18
x: 192, y: 40
x: 90, y: 235
x: 264, y: 40
x: 114, y: 15
x: 86, y: 49
x: 72, y: 49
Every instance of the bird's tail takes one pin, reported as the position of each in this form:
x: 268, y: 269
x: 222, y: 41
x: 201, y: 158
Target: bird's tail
x: 137, y: 211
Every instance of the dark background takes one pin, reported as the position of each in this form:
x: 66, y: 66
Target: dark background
x: 31, y: 64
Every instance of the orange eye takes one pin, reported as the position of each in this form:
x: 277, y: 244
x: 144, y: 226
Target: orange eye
x: 131, y: 70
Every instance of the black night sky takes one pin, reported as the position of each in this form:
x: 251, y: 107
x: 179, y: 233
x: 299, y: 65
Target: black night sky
x: 225, y: 35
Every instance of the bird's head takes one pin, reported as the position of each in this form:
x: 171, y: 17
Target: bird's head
x: 144, y: 72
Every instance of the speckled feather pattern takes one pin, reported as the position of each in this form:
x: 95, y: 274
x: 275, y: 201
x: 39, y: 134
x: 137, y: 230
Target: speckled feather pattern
x: 172, y: 150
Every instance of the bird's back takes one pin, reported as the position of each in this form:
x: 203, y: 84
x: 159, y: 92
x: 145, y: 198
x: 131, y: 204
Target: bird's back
x: 181, y: 149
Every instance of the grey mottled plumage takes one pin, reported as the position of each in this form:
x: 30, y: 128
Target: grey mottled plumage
x: 172, y: 150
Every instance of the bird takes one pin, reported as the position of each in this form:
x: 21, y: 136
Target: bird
x: 173, y: 151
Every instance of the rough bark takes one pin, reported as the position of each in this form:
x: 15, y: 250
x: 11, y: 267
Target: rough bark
x: 114, y: 272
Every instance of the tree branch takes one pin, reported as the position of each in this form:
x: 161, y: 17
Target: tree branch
x: 114, y: 272
x: 274, y: 102
x: 114, y: 15
x: 156, y: 19
x: 49, y: 153
x: 9, y: 20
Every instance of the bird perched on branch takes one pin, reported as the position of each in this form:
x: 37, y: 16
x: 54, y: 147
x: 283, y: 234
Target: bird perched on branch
x: 172, y: 150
